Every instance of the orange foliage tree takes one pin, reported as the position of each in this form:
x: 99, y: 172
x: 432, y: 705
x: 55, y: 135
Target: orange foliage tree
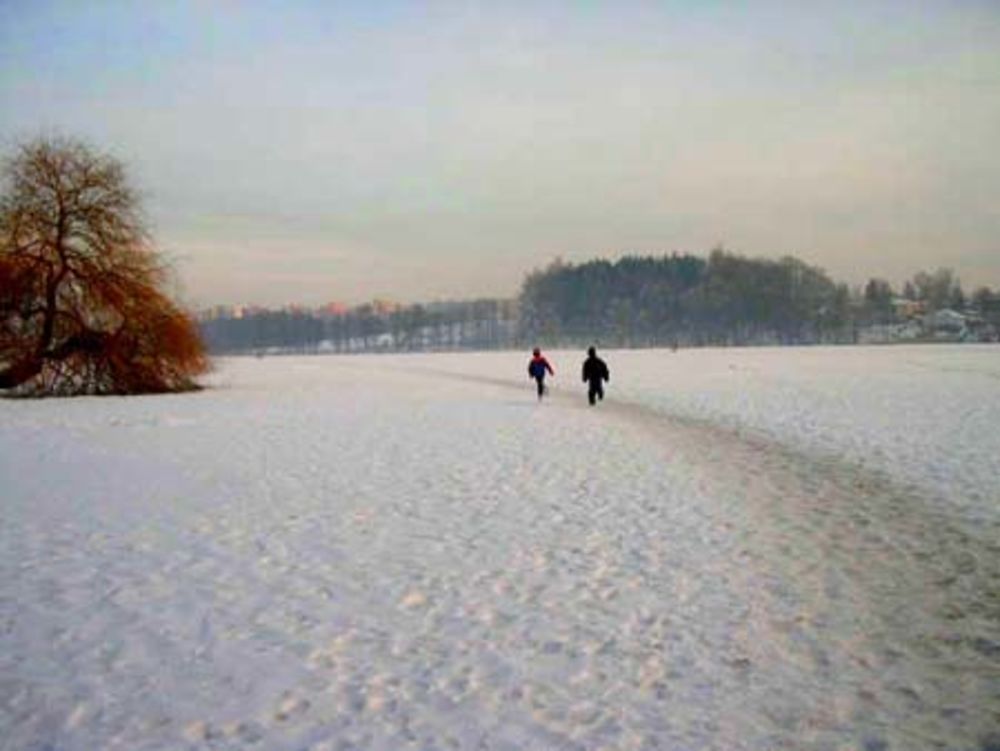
x: 82, y: 305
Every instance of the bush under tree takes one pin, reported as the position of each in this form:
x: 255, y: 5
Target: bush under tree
x: 83, y: 308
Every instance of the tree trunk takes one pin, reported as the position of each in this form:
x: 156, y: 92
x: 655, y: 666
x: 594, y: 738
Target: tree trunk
x: 23, y: 371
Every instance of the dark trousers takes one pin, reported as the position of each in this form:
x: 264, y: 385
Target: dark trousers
x: 541, y: 386
x: 595, y: 392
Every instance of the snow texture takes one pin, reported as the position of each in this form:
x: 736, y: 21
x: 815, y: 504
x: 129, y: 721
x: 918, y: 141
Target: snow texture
x: 737, y: 549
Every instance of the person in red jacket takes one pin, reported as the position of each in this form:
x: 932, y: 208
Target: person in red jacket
x: 537, y: 369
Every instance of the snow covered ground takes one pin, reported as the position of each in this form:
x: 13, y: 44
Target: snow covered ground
x: 738, y: 549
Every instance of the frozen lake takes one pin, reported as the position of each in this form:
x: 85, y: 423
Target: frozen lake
x: 738, y: 549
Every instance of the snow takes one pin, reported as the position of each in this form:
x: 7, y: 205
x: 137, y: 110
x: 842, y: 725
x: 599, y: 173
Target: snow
x: 926, y: 415
x: 738, y: 549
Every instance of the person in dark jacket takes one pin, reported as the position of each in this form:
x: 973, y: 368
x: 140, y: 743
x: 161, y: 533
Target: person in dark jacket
x: 595, y: 373
x: 537, y: 368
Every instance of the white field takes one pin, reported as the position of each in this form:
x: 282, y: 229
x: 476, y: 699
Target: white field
x: 738, y: 549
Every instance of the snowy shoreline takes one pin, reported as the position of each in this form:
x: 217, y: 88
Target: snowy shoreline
x: 737, y: 550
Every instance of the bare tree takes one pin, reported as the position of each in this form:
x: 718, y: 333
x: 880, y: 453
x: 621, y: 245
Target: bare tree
x: 82, y: 307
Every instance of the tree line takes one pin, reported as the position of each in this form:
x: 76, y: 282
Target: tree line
x: 724, y: 299
x: 682, y: 299
x: 637, y: 301
x: 475, y: 324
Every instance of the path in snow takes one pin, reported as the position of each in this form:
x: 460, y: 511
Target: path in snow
x: 358, y: 553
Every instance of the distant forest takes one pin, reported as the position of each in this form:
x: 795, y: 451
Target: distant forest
x: 650, y: 301
x: 372, y: 327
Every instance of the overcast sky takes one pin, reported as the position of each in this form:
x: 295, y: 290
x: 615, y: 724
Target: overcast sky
x: 316, y: 151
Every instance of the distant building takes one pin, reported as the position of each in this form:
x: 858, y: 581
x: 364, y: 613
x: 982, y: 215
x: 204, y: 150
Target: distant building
x: 945, y: 321
x: 904, y: 309
x: 221, y: 312
x: 977, y: 328
x: 332, y: 309
x: 384, y: 307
